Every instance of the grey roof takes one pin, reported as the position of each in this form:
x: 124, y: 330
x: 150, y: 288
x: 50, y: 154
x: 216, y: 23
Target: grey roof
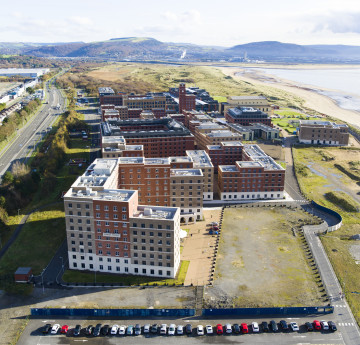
x: 23, y: 270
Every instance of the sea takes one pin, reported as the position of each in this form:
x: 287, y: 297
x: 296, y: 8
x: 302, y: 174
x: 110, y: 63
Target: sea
x: 342, y: 85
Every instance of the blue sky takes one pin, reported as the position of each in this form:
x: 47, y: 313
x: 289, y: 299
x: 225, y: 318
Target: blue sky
x: 221, y: 22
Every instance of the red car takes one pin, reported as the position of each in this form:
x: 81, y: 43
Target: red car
x: 64, y: 329
x: 244, y: 328
x: 317, y: 325
x: 215, y: 228
x: 219, y: 329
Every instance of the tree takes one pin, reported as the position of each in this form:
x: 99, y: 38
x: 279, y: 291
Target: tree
x: 30, y: 90
x: 8, y: 177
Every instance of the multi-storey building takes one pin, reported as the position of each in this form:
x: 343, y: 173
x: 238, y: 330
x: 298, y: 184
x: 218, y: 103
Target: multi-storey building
x: 215, y: 137
x: 107, y: 231
x: 114, y: 147
x: 159, y: 137
x: 257, y: 176
x: 257, y: 102
x: 323, y: 133
x: 255, y: 131
x: 186, y: 101
x: 226, y: 153
x: 247, y: 116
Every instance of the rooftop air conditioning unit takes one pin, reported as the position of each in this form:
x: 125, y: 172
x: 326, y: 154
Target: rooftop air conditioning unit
x: 147, y: 211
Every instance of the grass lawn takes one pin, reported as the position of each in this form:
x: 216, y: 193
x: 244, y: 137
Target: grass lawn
x: 72, y: 276
x: 337, y: 243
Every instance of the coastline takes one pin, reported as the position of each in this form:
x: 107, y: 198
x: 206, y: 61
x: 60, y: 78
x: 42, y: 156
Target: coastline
x: 315, y: 98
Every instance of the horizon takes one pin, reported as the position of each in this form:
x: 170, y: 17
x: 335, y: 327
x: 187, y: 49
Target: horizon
x: 201, y: 23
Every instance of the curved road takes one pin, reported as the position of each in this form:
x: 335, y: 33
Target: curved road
x: 33, y: 131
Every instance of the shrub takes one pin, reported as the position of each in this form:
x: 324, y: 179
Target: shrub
x: 343, y: 200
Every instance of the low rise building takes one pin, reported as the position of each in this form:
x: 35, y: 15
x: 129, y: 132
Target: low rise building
x: 323, y: 133
x: 215, y: 137
x: 256, y: 131
x: 257, y: 102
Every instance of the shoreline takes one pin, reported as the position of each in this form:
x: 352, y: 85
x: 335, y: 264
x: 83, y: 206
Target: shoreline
x: 315, y: 100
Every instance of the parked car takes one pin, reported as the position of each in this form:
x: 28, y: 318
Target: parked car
x: 294, y: 326
x: 215, y: 224
x: 317, y: 325
x: 309, y: 326
x: 255, y: 327
x: 273, y: 326
x: 163, y: 329
x: 244, y: 328
x: 122, y: 330
x: 215, y: 228
x: 180, y: 330
x: 200, y: 330
x: 89, y: 330
x: 114, y: 329
x: 172, y: 328
x: 55, y: 328
x: 332, y: 326
x: 188, y: 328
x: 209, y: 329
x: 236, y: 328
x: 154, y: 328
x: 96, y: 330
x: 104, y: 330
x: 284, y: 325
x: 77, y: 330
x: 130, y: 330
x: 324, y: 325
x: 46, y: 329
x: 137, y: 329
x: 64, y: 329
x: 147, y: 328
x: 228, y: 328
x: 265, y: 326
x: 219, y: 329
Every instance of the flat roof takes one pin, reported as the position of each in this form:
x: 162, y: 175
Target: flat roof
x: 257, y: 154
x: 200, y: 158
x: 131, y: 160
x: 155, y: 212
x: 228, y: 168
x: 225, y: 133
x: 246, y: 97
x: 106, y: 194
x: 231, y: 143
x: 181, y: 159
x: 186, y: 172
x: 249, y: 164
x: 157, y: 161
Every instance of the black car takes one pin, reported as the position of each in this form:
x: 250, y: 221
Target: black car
x: 46, y: 329
x: 332, y: 326
x: 273, y: 326
x: 309, y: 326
x: 89, y: 330
x: 77, y: 330
x: 154, y: 328
x: 188, y: 329
x: 265, y: 326
x: 284, y: 325
x: 96, y: 330
x: 104, y: 330
x: 236, y: 328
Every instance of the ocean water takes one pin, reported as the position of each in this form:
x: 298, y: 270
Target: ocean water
x: 345, y: 82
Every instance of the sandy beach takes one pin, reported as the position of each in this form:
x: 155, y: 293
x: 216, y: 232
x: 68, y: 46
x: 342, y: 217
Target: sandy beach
x: 313, y: 99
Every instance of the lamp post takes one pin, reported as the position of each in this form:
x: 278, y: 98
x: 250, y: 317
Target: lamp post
x: 18, y: 211
x: 42, y: 280
x: 62, y: 263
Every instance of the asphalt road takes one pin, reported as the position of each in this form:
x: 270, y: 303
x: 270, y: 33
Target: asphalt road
x: 28, y: 136
x: 32, y: 335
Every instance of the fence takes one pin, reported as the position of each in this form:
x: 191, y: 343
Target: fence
x: 331, y: 212
x: 128, y: 313
x: 268, y: 311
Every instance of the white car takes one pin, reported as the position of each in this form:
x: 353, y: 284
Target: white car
x: 200, y: 330
x: 147, y: 328
x: 209, y: 329
x: 171, y: 330
x: 163, y: 329
x: 55, y: 328
x: 114, y: 329
x: 294, y: 326
x: 122, y: 330
x: 227, y: 328
x: 255, y: 327
x: 324, y: 325
x: 180, y: 330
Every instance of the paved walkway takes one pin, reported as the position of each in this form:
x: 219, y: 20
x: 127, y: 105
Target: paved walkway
x: 344, y: 317
x: 199, y: 248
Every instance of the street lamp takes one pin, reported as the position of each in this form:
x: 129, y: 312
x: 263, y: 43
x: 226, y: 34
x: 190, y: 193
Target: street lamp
x: 18, y: 211
x: 42, y: 280
x: 62, y: 262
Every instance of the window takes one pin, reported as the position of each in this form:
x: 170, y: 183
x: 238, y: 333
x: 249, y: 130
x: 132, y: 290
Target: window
x: 124, y: 209
x: 70, y: 205
x: 124, y: 216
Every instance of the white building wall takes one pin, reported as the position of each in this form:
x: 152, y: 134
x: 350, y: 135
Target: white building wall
x: 231, y: 196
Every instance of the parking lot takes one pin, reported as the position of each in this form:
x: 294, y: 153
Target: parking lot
x: 33, y: 335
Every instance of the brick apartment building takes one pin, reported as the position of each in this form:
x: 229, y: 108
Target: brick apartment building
x: 257, y: 176
x: 159, y: 137
x: 226, y: 153
x: 323, y: 133
x: 114, y: 147
x: 247, y: 116
x: 257, y: 102
x: 215, y: 137
x: 107, y: 231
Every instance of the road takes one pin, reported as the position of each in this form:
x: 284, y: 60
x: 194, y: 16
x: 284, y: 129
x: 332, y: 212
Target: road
x: 33, y: 131
x: 32, y: 336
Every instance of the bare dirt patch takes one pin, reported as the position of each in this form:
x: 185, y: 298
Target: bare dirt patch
x: 261, y: 262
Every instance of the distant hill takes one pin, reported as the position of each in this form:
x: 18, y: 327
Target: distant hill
x: 146, y: 48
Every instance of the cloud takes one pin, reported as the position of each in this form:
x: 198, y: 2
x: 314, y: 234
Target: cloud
x: 339, y: 23
x: 83, y: 21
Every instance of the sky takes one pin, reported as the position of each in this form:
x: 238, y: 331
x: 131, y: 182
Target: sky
x: 205, y: 22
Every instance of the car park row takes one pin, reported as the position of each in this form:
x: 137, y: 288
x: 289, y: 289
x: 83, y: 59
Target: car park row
x: 172, y: 329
